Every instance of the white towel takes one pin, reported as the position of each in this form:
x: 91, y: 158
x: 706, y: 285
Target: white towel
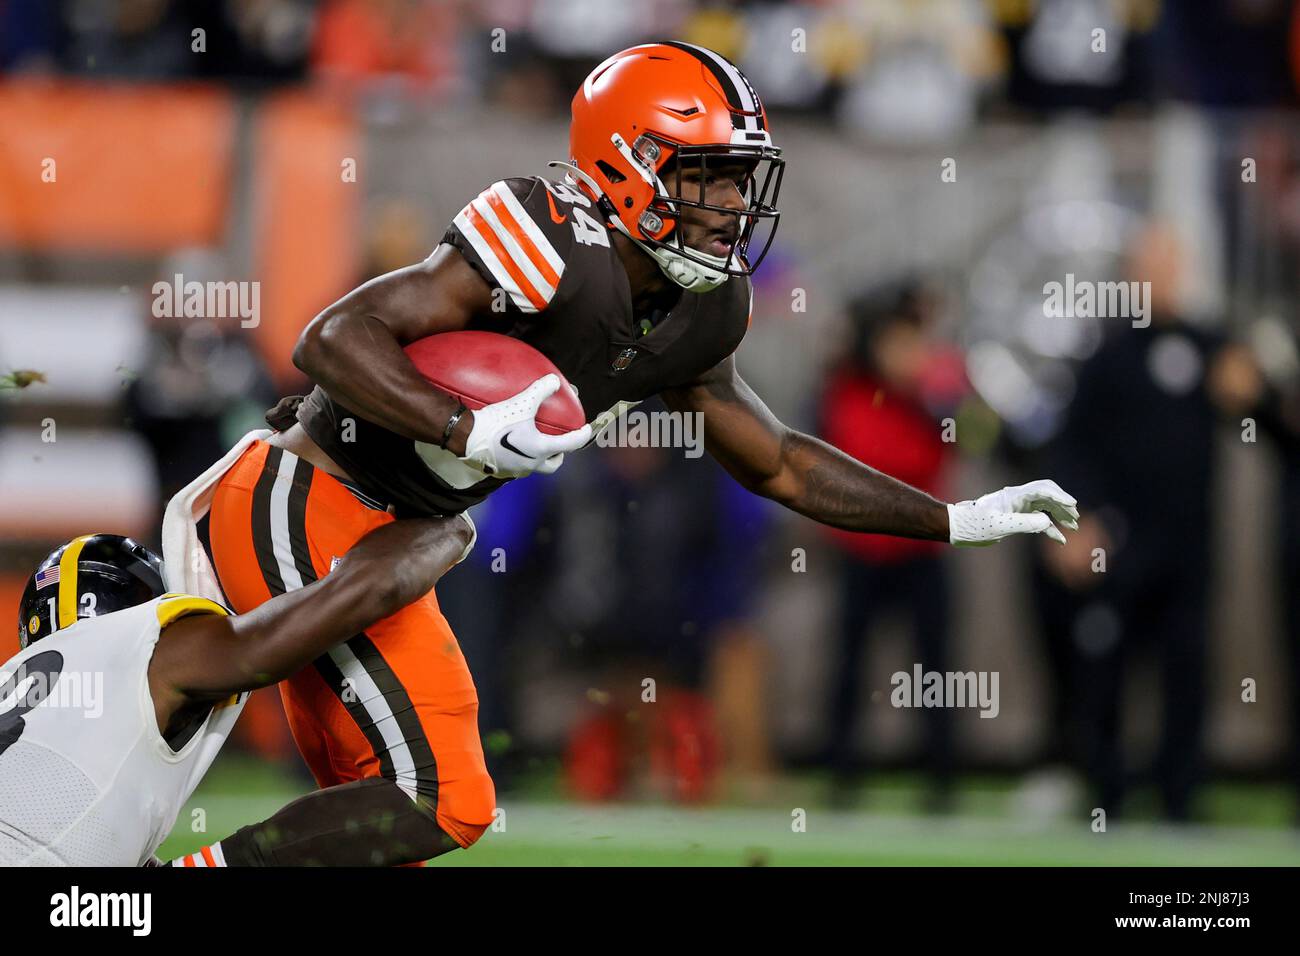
x: 186, y: 567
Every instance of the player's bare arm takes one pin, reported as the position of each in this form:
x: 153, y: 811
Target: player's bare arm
x: 354, y: 348
x: 354, y: 351
x: 205, y: 658
x: 817, y: 480
x: 802, y: 472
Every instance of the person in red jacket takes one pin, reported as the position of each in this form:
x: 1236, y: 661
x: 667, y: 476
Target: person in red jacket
x: 883, y: 405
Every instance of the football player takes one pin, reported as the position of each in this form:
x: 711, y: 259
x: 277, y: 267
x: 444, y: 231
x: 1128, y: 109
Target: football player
x: 631, y: 274
x: 122, y: 696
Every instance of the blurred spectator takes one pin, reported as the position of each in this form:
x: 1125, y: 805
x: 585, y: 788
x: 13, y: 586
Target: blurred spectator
x: 653, y: 573
x: 131, y: 39
x: 1136, y: 449
x: 1270, y: 398
x: 879, y: 407
x: 29, y: 35
x: 925, y: 67
x: 255, y: 41
x: 1079, y: 54
x: 202, y: 386
x: 1225, y: 53
x: 410, y: 43
x: 248, y: 40
x: 1278, y: 413
x: 487, y: 601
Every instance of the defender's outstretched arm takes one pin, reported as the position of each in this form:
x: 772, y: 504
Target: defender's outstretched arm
x: 204, y: 658
x: 207, y: 657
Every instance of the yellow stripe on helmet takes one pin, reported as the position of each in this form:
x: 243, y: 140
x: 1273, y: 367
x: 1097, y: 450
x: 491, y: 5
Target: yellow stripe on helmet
x: 68, y: 581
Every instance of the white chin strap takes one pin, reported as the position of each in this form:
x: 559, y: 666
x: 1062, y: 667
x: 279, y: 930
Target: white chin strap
x: 690, y: 275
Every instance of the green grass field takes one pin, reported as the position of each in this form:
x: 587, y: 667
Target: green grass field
x: 1250, y: 828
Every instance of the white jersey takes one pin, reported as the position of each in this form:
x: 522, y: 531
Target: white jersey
x: 86, y: 778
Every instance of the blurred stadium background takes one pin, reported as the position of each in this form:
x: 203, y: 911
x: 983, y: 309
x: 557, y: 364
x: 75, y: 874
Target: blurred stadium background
x: 308, y: 146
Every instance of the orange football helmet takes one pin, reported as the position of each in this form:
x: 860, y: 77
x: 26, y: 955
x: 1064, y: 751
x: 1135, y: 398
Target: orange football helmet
x: 652, y: 110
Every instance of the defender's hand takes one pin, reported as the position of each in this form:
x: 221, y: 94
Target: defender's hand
x: 1022, y: 509
x: 506, y: 442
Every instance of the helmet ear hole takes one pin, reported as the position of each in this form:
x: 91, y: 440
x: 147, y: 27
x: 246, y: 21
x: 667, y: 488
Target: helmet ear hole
x: 612, y: 174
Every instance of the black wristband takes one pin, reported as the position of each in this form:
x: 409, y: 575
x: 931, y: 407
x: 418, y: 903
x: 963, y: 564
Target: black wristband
x: 451, y: 425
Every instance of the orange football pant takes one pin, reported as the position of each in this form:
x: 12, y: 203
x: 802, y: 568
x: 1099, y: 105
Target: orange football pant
x: 395, y: 701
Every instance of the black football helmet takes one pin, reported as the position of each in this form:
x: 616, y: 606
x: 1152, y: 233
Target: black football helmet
x: 89, y: 576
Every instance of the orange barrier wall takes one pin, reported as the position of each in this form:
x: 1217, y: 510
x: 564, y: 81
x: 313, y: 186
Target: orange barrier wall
x: 134, y: 169
x: 306, y: 242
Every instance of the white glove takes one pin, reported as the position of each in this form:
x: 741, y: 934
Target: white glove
x: 506, y: 442
x: 1023, y: 509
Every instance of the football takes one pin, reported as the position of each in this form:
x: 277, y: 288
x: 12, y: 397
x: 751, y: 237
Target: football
x: 480, y: 368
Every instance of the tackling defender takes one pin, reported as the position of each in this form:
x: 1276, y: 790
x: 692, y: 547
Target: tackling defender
x: 122, y: 695
x: 632, y: 277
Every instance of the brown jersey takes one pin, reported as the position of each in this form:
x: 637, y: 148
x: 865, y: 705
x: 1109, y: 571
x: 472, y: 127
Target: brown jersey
x: 559, y: 286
